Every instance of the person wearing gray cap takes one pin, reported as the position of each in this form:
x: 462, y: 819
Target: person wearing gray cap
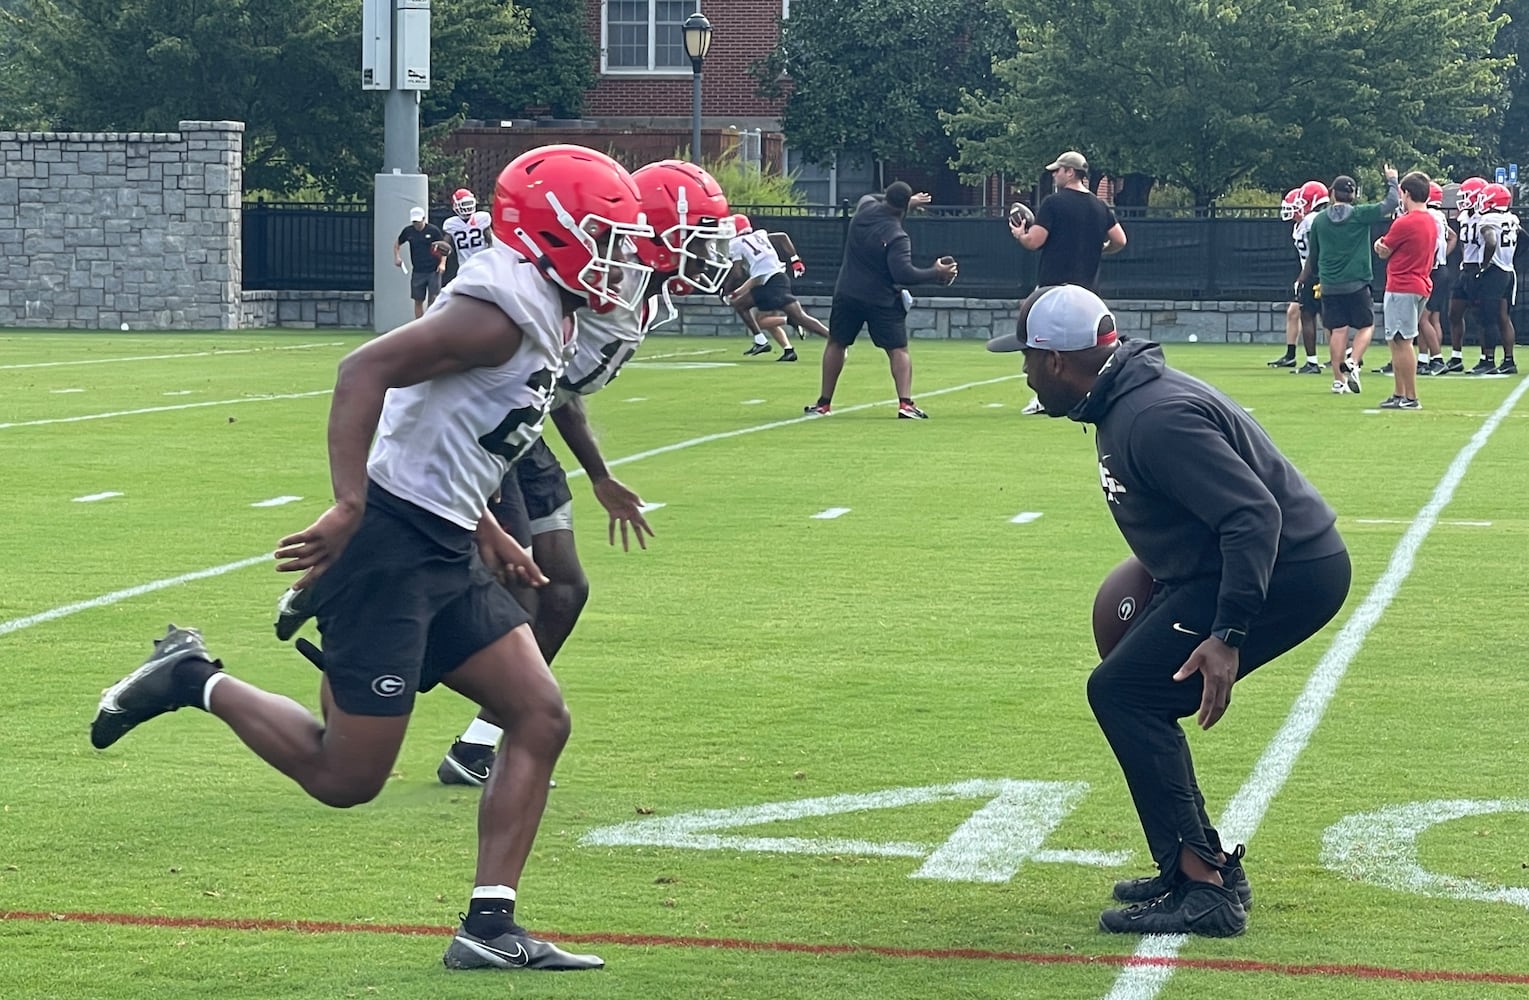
x: 1247, y: 565
x: 1072, y: 228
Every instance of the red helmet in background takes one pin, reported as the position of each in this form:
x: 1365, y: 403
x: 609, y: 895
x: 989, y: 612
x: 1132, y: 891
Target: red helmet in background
x: 575, y: 213
x: 1435, y: 195
x: 1495, y: 198
x: 464, y: 203
x: 1313, y: 196
x: 688, y: 212
x: 1290, y: 208
x: 1470, y: 191
x: 741, y: 225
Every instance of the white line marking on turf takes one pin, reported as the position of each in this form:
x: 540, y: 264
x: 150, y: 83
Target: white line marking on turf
x: 93, y: 497
x: 993, y: 406
x: 636, y: 399
x: 1393, y: 520
x: 1139, y: 981
x: 1025, y: 517
x: 754, y: 402
x: 830, y: 513
x: 683, y: 354
x: 17, y: 624
x: 682, y: 365
x: 652, y: 506
x: 276, y: 501
x: 60, y: 392
x: 177, y: 392
x: 165, y: 409
x: 45, y: 616
x: 167, y: 357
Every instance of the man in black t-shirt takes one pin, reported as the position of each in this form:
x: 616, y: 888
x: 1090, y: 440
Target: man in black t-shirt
x: 424, y: 263
x: 1072, y: 228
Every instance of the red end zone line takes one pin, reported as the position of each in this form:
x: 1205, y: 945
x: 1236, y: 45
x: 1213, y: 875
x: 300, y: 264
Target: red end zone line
x: 736, y: 944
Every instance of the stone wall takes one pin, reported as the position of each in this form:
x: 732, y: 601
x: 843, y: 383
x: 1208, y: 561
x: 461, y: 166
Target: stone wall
x: 305, y: 310
x: 107, y: 228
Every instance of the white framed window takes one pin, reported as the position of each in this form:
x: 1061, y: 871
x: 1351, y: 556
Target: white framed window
x: 644, y: 36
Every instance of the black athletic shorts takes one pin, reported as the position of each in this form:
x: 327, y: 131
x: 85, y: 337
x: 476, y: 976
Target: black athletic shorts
x: 1465, y: 285
x: 407, y: 602
x: 1495, y: 283
x: 1306, y: 298
x: 774, y: 295
x: 1352, y: 309
x: 542, y: 481
x: 509, y: 509
x: 888, y: 325
x: 1443, y: 285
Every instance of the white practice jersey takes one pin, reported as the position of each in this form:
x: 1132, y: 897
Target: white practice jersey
x: 757, y: 253
x: 1441, y: 239
x: 602, y: 343
x: 469, y: 236
x: 446, y: 444
x: 1470, y: 238
x: 1301, y: 235
x: 1507, y: 226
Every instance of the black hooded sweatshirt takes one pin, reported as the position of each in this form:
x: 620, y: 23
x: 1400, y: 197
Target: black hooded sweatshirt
x: 878, y: 257
x: 1195, y: 484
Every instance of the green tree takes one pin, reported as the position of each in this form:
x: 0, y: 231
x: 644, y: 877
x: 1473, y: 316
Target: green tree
x: 873, y: 75
x: 553, y: 73
x: 1209, y: 93
x: 288, y: 69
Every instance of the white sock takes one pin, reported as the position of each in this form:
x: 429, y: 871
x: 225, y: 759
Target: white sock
x: 212, y: 682
x: 759, y: 340
x: 1311, y: 359
x: 483, y: 733
x: 493, y: 892
x: 1451, y: 355
x: 1423, y: 359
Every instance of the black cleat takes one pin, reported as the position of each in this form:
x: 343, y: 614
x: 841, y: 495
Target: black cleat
x: 1483, y: 367
x: 817, y: 409
x: 1454, y: 366
x: 1188, y: 908
x: 1351, y: 376
x: 1436, y: 367
x: 907, y: 411
x: 1384, y: 369
x: 757, y: 349
x: 466, y: 764
x: 1506, y: 368
x: 150, y: 690
x: 1308, y: 369
x: 1140, y: 890
x: 1282, y: 363
x: 292, y: 612
x: 515, y: 949
x: 789, y: 354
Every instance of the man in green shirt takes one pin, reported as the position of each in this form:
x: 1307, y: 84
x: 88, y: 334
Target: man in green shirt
x: 1340, y: 261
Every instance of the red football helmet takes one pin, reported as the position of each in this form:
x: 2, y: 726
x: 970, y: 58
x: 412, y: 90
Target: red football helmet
x: 688, y: 212
x: 1290, y: 207
x: 575, y: 212
x: 1313, y: 196
x: 1435, y: 195
x: 1494, y: 198
x: 741, y: 225
x: 463, y: 203
x: 1470, y: 191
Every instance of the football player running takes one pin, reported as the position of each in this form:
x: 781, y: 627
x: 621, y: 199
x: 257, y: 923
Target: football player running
x: 469, y: 229
x: 687, y: 254
x: 400, y: 571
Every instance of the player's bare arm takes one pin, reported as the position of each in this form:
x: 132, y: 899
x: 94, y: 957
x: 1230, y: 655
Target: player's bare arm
x: 506, y: 558
x: 621, y: 502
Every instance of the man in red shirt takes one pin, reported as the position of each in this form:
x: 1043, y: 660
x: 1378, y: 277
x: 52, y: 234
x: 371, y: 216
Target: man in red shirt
x: 1408, y: 250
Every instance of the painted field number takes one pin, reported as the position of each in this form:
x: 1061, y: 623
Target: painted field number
x: 1007, y: 830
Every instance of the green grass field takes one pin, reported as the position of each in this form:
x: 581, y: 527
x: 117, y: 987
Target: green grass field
x: 757, y: 655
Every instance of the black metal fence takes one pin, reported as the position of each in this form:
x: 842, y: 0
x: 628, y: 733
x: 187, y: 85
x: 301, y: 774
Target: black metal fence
x: 1183, y: 254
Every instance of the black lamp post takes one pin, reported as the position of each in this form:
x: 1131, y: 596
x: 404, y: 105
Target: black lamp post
x: 697, y: 40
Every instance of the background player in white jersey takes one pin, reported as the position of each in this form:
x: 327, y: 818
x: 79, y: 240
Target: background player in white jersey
x: 422, y: 425
x: 1464, y: 299
x: 688, y: 254
x: 769, y: 287
x: 469, y: 229
x: 1496, y: 282
x: 743, y: 305
x: 1431, y: 329
x: 1299, y: 206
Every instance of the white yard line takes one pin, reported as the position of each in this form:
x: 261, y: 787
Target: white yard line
x: 682, y: 354
x: 165, y: 409
x: 168, y: 357
x: 830, y: 514
x: 17, y: 624
x: 1246, y: 810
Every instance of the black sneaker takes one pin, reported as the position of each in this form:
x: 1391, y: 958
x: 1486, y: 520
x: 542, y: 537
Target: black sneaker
x: 466, y: 764
x: 1506, y: 368
x: 1308, y: 369
x: 907, y: 411
x: 1384, y: 369
x: 515, y: 949
x: 1141, y: 890
x: 1437, y: 367
x: 1391, y: 403
x: 292, y: 612
x: 148, y: 691
x: 1188, y: 908
x: 789, y: 354
x: 1454, y: 366
x: 1351, y: 376
x: 1409, y: 404
x: 817, y: 409
x: 757, y: 349
x: 1282, y: 363
x: 1483, y: 367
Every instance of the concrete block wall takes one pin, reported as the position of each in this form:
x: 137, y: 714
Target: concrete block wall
x: 106, y: 228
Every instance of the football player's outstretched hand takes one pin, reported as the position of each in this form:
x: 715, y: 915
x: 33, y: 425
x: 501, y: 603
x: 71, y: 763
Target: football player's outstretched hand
x: 625, y: 508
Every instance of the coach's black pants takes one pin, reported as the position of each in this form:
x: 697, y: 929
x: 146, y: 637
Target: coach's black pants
x: 1138, y: 703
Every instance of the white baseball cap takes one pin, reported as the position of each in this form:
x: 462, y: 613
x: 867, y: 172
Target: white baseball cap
x: 416, y: 214
x: 1059, y: 318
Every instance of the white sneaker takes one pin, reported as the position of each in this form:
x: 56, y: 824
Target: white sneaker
x: 1033, y: 407
x: 1340, y: 387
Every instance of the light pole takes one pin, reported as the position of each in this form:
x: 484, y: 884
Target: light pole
x: 697, y: 40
